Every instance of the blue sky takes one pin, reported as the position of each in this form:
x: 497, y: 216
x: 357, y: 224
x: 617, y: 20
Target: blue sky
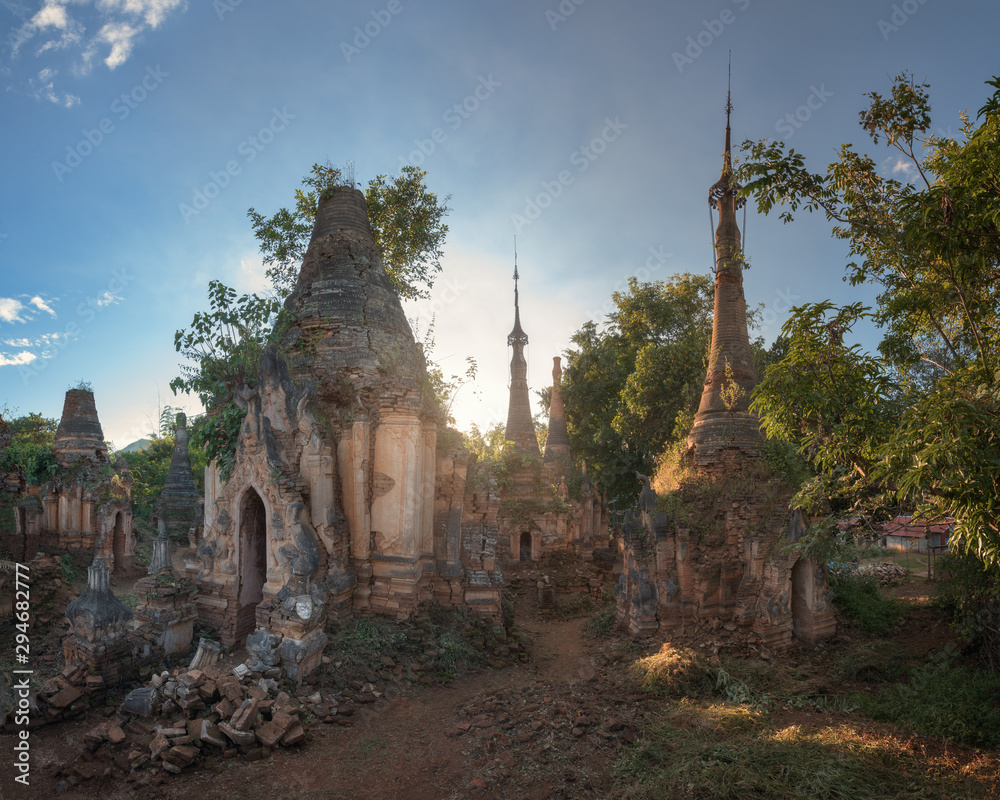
x: 136, y: 134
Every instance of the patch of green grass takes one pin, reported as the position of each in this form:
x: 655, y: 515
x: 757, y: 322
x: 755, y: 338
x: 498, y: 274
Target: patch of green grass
x: 131, y: 600
x: 718, y: 751
x: 871, y: 662
x: 603, y: 622
x: 859, y: 599
x: 68, y: 570
x: 942, y: 699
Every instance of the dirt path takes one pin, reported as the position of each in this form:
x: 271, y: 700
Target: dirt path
x: 409, y: 745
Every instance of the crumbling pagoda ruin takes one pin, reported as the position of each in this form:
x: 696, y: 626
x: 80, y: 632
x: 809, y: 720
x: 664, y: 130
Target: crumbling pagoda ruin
x: 179, y: 498
x: 86, y: 504
x: 340, y: 500
x: 538, y: 515
x: 724, y: 555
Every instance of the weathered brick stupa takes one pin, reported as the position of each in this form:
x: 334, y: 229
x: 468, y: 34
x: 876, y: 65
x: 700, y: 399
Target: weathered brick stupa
x: 724, y: 419
x: 520, y: 428
x: 340, y: 499
x: 538, y: 515
x: 727, y: 555
x: 179, y: 497
x: 86, y: 503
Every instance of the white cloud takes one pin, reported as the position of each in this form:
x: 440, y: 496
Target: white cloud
x: 17, y: 359
x: 12, y: 310
x: 18, y: 342
x: 107, y: 299
x: 52, y: 15
x: 41, y: 305
x: 153, y: 12
x: 43, y: 87
x: 58, y: 25
x: 121, y: 37
x: 902, y: 167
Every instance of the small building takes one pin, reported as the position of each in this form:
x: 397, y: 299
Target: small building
x: 903, y: 534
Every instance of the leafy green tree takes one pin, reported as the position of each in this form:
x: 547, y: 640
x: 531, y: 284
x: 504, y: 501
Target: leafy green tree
x: 33, y: 428
x: 625, y: 384
x: 407, y: 221
x: 225, y: 345
x: 918, y: 423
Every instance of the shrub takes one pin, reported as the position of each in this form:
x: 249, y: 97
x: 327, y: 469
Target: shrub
x: 859, y: 599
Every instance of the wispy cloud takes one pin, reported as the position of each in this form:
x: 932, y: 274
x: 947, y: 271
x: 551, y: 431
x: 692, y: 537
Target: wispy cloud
x: 41, y: 305
x: 107, y: 299
x: 62, y: 25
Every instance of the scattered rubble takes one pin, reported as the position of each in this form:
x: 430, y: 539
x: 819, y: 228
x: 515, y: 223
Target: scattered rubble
x: 887, y: 573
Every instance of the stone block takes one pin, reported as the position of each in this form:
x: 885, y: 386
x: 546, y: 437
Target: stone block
x: 235, y: 736
x: 66, y: 697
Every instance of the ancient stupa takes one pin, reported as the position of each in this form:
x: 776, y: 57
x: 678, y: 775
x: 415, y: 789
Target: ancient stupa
x: 79, y: 434
x: 520, y: 428
x: 538, y: 515
x: 179, y: 497
x: 723, y: 420
x: 340, y: 499
x: 557, y: 442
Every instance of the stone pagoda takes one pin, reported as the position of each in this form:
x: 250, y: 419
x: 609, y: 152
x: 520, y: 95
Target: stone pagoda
x: 538, y: 513
x: 728, y: 555
x: 520, y: 428
x: 340, y: 500
x: 179, y: 498
x: 724, y: 420
x: 86, y: 503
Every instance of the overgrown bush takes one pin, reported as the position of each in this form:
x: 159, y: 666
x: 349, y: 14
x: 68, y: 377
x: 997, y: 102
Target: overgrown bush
x: 859, y: 599
x: 942, y: 699
x: 969, y: 592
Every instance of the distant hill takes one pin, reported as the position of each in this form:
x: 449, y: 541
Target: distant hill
x: 136, y: 446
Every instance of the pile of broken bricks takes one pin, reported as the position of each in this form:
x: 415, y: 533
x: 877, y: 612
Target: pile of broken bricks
x: 887, y: 573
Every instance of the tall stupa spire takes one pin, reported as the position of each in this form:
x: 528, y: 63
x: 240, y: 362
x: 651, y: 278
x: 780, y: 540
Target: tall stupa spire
x: 520, y: 428
x: 723, y: 420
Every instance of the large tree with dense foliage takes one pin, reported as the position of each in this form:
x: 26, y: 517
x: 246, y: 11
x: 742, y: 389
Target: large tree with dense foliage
x: 632, y: 385
x: 918, y: 422
x: 407, y: 221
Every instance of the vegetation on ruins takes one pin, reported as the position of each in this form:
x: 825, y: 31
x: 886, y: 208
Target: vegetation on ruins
x: 407, y: 221
x: 917, y: 423
x: 225, y: 343
x: 633, y: 382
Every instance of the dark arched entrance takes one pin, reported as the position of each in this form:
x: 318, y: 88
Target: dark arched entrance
x: 525, y: 547
x: 801, y: 613
x: 118, y: 542
x: 253, y: 562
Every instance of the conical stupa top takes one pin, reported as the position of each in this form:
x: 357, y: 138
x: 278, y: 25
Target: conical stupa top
x: 726, y: 186
x: 520, y: 427
x: 724, y: 420
x: 517, y: 333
